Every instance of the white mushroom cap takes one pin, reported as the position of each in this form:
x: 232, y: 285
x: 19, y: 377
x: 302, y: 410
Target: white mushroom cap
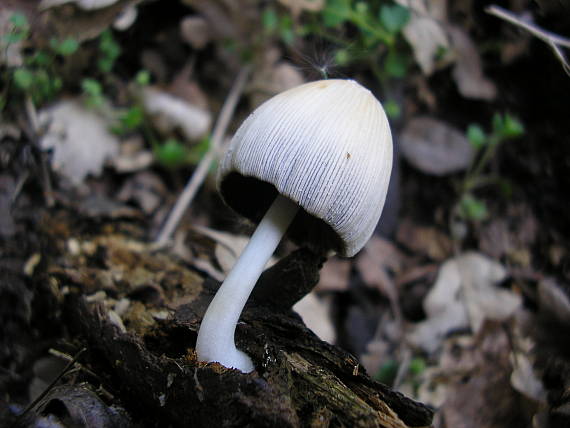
x: 327, y: 146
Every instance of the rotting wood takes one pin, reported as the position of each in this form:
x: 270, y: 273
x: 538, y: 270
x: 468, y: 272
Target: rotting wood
x: 300, y: 380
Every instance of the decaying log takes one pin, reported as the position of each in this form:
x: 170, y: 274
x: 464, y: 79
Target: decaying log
x: 145, y: 357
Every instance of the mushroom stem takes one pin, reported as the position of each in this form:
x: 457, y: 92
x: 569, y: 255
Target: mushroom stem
x: 216, y: 335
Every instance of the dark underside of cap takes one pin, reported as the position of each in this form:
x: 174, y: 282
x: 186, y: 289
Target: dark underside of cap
x: 251, y: 198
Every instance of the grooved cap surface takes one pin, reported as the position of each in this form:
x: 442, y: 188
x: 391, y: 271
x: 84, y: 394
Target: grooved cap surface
x: 327, y: 146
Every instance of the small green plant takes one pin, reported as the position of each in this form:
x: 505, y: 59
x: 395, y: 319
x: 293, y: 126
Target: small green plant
x: 173, y: 154
x: 504, y: 127
x: 38, y: 76
x: 19, y: 30
x: 277, y: 24
x: 378, y: 27
x: 377, y: 43
x: 388, y: 372
x: 93, y: 93
x: 379, y: 40
x: 129, y: 120
x: 109, y: 51
x: 133, y: 118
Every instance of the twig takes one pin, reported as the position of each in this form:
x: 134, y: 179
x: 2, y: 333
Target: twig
x: 50, y: 386
x: 551, y: 39
x: 201, y: 171
x: 403, y: 368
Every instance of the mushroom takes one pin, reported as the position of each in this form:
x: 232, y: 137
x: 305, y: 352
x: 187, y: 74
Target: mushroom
x: 313, y: 161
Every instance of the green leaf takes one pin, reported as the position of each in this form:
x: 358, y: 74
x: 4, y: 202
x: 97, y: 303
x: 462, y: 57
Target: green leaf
x: 286, y: 29
x: 476, y: 136
x: 19, y: 20
x: 387, y: 372
x: 497, y: 123
x: 396, y: 64
x: 336, y: 12
x: 197, y: 152
x: 40, y: 58
x: 394, y: 18
x: 171, y: 154
x: 14, y: 37
x: 23, y: 78
x: 393, y: 109
x: 361, y: 8
x: 65, y: 47
x: 512, y: 127
x: 132, y: 118
x: 507, y: 127
x: 143, y: 78
x: 417, y: 366
x: 105, y: 64
x: 91, y: 87
x: 342, y: 57
x: 57, y: 83
x: 269, y: 20
x: 472, y: 208
x: 110, y: 51
x: 43, y: 85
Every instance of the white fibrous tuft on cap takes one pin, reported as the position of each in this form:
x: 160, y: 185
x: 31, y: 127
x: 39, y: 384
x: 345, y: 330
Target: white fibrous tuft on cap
x: 327, y: 146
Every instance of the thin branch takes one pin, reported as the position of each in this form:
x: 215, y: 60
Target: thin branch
x: 551, y: 39
x: 40, y: 397
x: 201, y: 171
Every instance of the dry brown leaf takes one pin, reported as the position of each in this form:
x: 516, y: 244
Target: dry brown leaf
x: 494, y: 238
x: 9, y: 130
x: 334, y: 275
x: 465, y: 295
x: 195, y: 31
x: 144, y: 188
x: 10, y: 53
x: 298, y: 6
x: 82, y: 4
x: 553, y: 301
x: 435, y: 147
x: 126, y: 18
x: 228, y: 246
x: 98, y: 205
x: 424, y: 93
x: 479, y: 392
x: 468, y: 71
x: 511, y: 236
x: 152, y: 60
x: 80, y: 140
x: 132, y: 156
x: 83, y: 19
x: 229, y: 20
x: 425, y: 33
x: 273, y: 76
x: 169, y: 113
x: 524, y: 378
x: 378, y: 258
x: 424, y: 240
x: 183, y: 86
x: 315, y: 313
